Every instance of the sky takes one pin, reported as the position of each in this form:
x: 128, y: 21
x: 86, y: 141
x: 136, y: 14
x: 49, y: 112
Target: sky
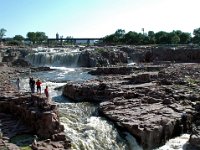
x: 97, y: 18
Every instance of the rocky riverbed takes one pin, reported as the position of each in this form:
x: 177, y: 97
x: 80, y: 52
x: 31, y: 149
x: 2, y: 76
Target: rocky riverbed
x: 147, y: 103
x: 25, y: 113
x: 147, y: 100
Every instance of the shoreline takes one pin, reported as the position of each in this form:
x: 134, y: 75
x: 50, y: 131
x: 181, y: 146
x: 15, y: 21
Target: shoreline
x: 34, y: 111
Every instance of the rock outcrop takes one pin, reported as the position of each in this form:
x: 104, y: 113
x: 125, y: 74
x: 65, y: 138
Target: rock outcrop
x: 21, y: 63
x: 195, y: 135
x: 37, y: 113
x: 149, y: 105
x: 151, y: 123
x: 29, y: 113
x: 162, y: 53
x: 101, y: 57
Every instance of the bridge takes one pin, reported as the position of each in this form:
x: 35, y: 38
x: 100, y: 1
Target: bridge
x: 73, y: 40
x: 60, y: 41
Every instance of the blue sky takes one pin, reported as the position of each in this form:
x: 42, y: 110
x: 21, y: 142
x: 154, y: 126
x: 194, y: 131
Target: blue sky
x: 97, y: 18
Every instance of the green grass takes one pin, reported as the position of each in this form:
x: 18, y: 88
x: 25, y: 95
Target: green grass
x: 26, y: 148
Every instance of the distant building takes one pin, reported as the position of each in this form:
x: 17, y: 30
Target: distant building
x: 57, y: 36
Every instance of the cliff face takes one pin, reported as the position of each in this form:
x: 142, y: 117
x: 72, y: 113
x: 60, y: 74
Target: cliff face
x: 175, y: 54
x: 41, y: 116
x: 162, y: 53
x: 109, y: 56
x: 37, y: 114
x: 102, y: 57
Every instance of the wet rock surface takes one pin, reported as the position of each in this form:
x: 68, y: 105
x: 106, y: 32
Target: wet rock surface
x: 37, y: 69
x: 28, y: 113
x: 150, y: 105
x: 195, y: 134
x: 102, y: 56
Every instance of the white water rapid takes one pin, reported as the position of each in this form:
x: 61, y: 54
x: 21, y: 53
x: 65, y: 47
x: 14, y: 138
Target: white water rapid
x: 85, y: 128
x: 54, y: 57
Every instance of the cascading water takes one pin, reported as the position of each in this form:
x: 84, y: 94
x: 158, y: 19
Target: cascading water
x: 54, y: 58
x: 83, y: 126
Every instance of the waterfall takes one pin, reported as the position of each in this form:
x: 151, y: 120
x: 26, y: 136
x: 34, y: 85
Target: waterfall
x: 83, y: 126
x: 67, y: 59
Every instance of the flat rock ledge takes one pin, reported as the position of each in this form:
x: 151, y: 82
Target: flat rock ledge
x: 150, y: 105
x: 151, y: 124
x: 40, y: 115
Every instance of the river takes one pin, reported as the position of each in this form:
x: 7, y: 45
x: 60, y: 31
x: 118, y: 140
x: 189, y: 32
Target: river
x: 83, y: 125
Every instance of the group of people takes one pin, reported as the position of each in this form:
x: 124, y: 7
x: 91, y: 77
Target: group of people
x: 32, y: 84
x: 38, y: 83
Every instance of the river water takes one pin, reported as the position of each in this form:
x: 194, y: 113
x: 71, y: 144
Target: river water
x: 83, y: 125
x: 86, y: 129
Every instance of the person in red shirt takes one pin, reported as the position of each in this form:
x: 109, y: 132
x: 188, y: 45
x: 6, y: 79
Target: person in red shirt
x: 46, y: 91
x: 38, y: 83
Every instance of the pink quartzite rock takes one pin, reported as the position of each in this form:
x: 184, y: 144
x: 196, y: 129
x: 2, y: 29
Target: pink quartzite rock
x: 149, y: 105
x: 151, y: 124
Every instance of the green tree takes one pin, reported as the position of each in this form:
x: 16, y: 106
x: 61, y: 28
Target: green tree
x: 151, y: 36
x: 2, y: 33
x: 142, y: 39
x: 175, y: 39
x: 31, y: 36
x: 196, y: 38
x: 185, y: 37
x: 131, y: 38
x: 18, y: 38
x: 40, y: 37
x: 109, y: 39
x: 118, y: 36
x: 162, y: 37
x: 37, y: 37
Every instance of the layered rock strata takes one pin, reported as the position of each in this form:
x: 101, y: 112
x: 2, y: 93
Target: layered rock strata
x: 30, y: 113
x: 150, y: 105
x: 38, y: 114
x: 195, y: 135
x: 102, y: 57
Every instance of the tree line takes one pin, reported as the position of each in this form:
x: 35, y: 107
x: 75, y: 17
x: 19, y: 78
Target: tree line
x: 34, y: 37
x: 161, y: 37
x: 121, y: 37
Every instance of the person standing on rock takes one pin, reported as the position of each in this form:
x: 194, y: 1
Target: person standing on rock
x: 32, y: 84
x: 38, y: 83
x: 18, y: 84
x: 46, y: 91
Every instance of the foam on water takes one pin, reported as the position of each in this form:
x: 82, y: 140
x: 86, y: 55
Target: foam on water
x: 83, y: 125
x: 88, y: 131
x: 54, y: 58
x: 63, y: 68
x: 81, y: 121
x: 178, y: 143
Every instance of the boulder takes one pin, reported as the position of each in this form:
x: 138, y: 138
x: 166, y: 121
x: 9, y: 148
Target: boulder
x: 151, y: 124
